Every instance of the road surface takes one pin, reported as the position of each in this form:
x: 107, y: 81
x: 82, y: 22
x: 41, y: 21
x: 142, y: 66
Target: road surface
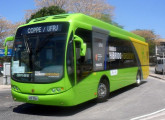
x: 124, y: 104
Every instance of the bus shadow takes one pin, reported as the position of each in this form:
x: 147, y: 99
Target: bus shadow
x: 125, y: 89
x: 43, y: 110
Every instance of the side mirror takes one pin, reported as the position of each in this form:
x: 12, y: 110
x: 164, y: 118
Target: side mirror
x: 11, y: 38
x: 83, y: 45
x: 6, y: 50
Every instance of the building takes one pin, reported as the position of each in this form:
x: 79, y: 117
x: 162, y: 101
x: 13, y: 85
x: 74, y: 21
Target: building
x: 160, y: 49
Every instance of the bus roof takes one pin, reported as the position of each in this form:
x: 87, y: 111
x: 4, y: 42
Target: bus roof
x: 84, y: 18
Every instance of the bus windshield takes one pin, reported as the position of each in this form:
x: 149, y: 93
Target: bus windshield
x: 38, y: 58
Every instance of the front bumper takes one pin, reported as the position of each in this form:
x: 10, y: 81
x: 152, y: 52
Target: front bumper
x: 66, y: 98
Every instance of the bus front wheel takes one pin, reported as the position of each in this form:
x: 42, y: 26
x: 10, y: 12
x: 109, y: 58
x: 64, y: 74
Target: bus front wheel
x: 103, y: 91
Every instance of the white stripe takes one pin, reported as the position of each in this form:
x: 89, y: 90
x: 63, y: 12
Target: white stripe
x: 137, y: 118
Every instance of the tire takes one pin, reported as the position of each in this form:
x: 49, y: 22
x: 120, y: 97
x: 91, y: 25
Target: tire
x: 138, y: 79
x: 103, y: 91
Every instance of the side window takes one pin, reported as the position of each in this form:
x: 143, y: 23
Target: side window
x: 120, y: 54
x: 70, y: 60
x: 84, y: 63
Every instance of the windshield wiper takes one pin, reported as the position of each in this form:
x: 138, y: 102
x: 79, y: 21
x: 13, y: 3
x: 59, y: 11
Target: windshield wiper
x: 28, y: 49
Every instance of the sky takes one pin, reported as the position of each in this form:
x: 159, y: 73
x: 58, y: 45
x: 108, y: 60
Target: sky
x: 140, y: 14
x: 132, y: 14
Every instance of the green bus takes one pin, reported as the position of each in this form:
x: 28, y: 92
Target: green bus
x: 68, y: 59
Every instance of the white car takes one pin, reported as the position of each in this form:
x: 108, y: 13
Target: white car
x: 160, y: 66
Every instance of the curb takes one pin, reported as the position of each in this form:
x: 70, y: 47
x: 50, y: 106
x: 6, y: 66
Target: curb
x: 155, y: 76
x: 5, y: 87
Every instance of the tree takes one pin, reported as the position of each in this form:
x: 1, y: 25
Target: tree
x: 116, y: 24
x: 94, y: 8
x: 47, y: 11
x: 150, y: 37
x: 5, y: 29
x: 100, y: 9
x: 47, y: 3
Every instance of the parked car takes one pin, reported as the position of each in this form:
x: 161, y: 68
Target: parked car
x: 160, y: 66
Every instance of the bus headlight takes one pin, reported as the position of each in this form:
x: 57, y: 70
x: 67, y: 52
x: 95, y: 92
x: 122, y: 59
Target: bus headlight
x: 57, y: 90
x: 53, y: 90
x: 15, y: 88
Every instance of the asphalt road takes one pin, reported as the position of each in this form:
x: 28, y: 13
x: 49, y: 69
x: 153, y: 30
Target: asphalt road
x: 124, y: 104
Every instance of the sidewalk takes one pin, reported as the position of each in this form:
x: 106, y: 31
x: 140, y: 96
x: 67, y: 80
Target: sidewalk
x: 152, y: 74
x: 5, y: 87
x: 1, y: 80
x: 157, y: 76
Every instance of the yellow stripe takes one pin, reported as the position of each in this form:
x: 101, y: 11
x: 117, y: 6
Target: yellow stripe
x: 138, y: 41
x: 143, y: 54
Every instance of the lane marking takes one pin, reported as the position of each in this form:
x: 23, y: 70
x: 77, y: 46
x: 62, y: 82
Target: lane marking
x: 147, y: 115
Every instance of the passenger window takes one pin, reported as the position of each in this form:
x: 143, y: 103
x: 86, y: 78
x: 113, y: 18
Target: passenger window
x: 120, y: 54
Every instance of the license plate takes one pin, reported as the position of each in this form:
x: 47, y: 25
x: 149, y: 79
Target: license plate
x: 33, y: 98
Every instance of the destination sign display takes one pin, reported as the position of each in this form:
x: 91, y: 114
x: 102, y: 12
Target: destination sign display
x: 59, y: 27
x: 42, y: 29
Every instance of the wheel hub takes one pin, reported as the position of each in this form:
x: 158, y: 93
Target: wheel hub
x: 138, y: 80
x: 102, y: 90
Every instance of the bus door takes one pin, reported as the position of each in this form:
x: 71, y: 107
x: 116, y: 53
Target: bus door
x: 93, y: 61
x: 84, y: 67
x: 99, y: 41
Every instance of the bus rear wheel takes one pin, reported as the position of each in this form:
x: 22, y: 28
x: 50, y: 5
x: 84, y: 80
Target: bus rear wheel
x: 103, y: 91
x: 138, y: 79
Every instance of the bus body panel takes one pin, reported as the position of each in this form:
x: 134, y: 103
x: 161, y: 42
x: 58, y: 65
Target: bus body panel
x: 85, y: 90
x: 66, y: 98
x: 143, y: 53
x: 31, y: 88
x: 125, y: 77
